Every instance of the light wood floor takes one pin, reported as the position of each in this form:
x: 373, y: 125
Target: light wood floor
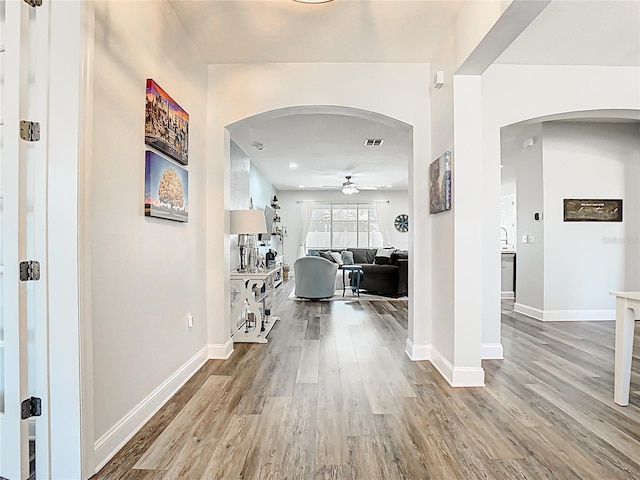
x: 333, y: 396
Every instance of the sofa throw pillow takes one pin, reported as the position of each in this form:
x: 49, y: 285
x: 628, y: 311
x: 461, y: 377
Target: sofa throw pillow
x: 398, y: 255
x: 336, y: 257
x: 327, y: 254
x: 347, y: 257
x: 381, y: 260
x: 384, y: 252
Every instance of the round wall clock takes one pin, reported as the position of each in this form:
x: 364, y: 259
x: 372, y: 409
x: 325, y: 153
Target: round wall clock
x: 402, y: 222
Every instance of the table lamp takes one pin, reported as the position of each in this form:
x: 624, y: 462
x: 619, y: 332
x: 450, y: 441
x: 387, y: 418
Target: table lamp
x: 247, y: 223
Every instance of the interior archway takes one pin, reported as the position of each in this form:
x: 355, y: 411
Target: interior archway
x: 326, y: 142
x: 603, y: 144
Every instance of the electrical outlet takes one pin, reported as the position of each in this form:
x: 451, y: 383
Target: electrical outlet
x: 189, y: 320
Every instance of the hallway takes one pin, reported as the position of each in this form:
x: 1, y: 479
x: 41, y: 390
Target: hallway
x: 334, y: 396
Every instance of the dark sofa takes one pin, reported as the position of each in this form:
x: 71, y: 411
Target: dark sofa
x: 382, y: 275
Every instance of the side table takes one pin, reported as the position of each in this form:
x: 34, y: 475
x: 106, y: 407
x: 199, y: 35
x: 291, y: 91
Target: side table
x: 357, y: 270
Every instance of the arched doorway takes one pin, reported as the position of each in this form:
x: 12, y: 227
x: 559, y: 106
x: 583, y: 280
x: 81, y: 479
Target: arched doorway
x: 325, y: 143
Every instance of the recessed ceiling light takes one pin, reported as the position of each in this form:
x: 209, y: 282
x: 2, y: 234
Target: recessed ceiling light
x: 300, y: 186
x: 293, y: 165
x: 389, y: 186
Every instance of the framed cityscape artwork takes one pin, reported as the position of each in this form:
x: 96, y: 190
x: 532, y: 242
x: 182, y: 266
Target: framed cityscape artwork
x: 166, y: 189
x: 166, y: 124
x: 440, y: 184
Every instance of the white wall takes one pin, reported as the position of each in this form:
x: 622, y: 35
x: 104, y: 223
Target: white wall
x: 240, y: 178
x: 529, y: 186
x: 584, y: 261
x: 291, y: 213
x: 515, y: 93
x: 262, y: 193
x: 261, y: 190
x: 146, y: 273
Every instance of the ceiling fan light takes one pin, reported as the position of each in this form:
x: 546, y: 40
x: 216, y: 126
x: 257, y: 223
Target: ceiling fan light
x: 349, y: 190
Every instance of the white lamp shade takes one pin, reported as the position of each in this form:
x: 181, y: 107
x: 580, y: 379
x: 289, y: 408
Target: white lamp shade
x: 247, y: 222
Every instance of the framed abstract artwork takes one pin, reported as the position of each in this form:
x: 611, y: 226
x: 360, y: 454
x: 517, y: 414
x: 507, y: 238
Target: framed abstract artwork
x: 166, y: 189
x: 585, y: 210
x: 440, y: 184
x: 166, y: 124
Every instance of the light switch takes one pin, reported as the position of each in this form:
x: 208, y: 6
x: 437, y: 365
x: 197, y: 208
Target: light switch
x: 525, y: 239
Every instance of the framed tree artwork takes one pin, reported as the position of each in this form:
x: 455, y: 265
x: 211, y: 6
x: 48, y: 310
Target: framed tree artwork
x: 166, y: 189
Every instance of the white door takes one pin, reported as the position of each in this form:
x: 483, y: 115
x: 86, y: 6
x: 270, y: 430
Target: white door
x: 23, y: 321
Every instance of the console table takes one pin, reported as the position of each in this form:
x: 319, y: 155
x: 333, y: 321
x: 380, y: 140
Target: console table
x: 626, y: 304
x: 250, y: 293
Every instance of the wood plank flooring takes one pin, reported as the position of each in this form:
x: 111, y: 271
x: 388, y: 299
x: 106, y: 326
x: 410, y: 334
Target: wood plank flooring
x: 333, y: 396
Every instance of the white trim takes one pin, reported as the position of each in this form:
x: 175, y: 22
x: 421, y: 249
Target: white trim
x: 578, y: 315
x: 442, y: 364
x: 457, y: 376
x: 221, y: 351
x: 118, y: 435
x: 527, y: 310
x: 491, y: 351
x: 507, y: 294
x: 417, y: 352
x: 468, y: 377
x: 565, y: 315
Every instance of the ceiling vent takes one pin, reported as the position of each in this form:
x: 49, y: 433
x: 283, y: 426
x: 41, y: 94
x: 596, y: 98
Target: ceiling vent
x: 373, y: 142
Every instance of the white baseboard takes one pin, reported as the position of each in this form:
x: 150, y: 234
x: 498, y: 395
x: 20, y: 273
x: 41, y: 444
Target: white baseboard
x: 506, y: 295
x: 527, y: 310
x: 417, y: 352
x: 457, y: 376
x: 491, y: 351
x: 565, y: 315
x: 118, y: 435
x: 221, y: 351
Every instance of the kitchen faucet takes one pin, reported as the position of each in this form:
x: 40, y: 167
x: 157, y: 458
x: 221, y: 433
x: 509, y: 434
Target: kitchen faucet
x: 506, y: 236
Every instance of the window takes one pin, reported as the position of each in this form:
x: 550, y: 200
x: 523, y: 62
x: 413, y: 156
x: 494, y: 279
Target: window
x: 342, y: 225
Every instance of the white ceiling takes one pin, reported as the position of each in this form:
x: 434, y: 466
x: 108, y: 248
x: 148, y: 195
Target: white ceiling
x: 328, y: 146
x: 327, y: 143
x: 580, y: 32
x: 271, y: 31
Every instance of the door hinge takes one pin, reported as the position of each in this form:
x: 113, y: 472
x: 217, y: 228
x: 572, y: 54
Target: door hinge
x: 29, y: 271
x: 29, y: 131
x: 33, y: 3
x: 31, y: 407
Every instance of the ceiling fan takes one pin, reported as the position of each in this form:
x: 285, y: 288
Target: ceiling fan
x: 349, y: 188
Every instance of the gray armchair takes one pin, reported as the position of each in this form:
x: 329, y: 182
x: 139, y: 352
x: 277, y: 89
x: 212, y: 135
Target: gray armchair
x: 315, y: 277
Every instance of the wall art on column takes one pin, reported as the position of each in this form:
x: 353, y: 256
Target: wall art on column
x: 166, y: 189
x: 440, y: 184
x: 166, y: 124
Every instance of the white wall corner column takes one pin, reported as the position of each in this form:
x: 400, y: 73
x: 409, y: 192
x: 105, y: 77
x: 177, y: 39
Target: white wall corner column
x: 218, y: 263
x: 466, y: 369
x: 65, y: 127
x: 491, y: 256
x: 420, y: 308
